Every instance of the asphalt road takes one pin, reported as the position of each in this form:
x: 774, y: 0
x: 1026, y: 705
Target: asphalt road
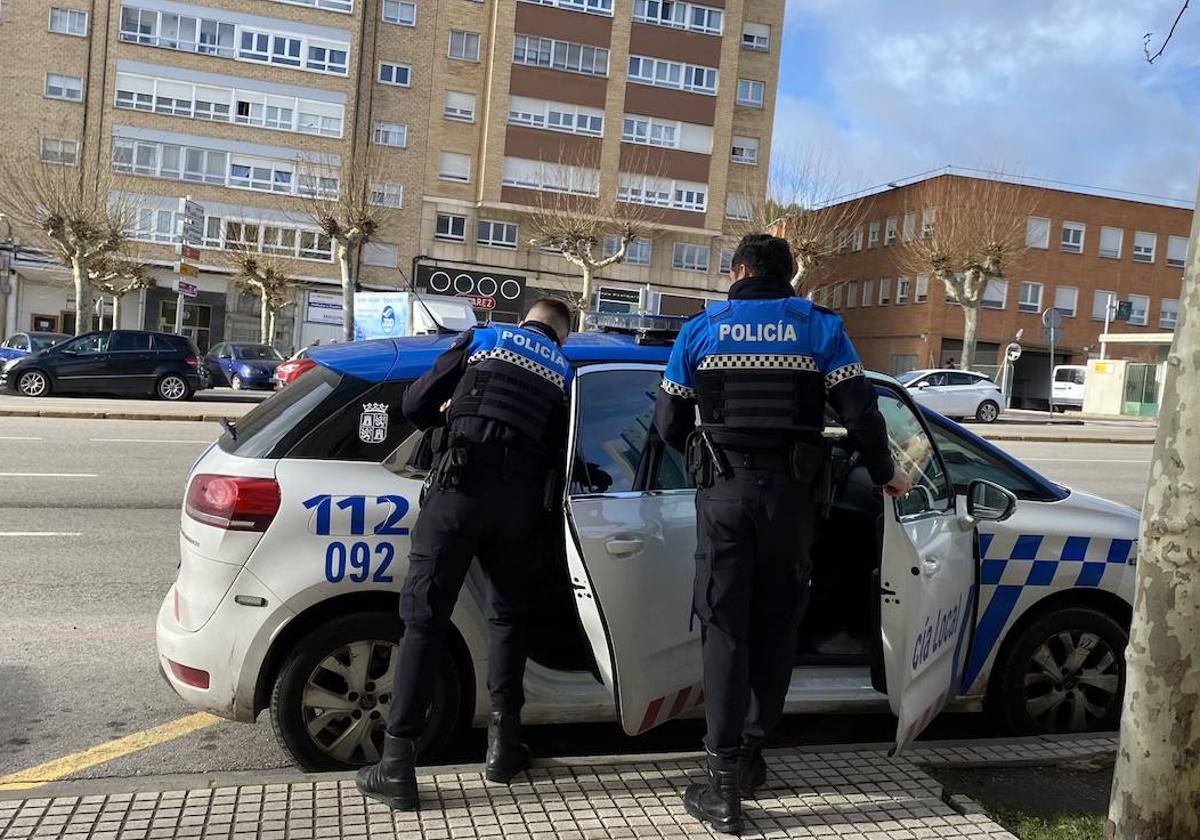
x: 89, y: 513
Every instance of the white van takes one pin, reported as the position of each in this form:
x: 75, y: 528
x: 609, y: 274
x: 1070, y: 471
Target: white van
x: 1067, y: 389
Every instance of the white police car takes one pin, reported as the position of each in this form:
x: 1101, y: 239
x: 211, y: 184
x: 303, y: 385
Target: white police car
x: 294, y: 538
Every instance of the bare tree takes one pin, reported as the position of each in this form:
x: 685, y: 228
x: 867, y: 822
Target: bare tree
x: 266, y: 278
x: 117, y: 275
x: 976, y: 233
x: 351, y: 216
x: 76, y: 213
x: 1149, y: 36
x: 570, y: 216
x: 805, y: 205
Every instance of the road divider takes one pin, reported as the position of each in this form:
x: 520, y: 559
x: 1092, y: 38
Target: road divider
x: 69, y: 765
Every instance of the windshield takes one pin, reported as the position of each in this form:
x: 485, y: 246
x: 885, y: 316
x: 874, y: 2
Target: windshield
x: 41, y: 342
x: 905, y: 378
x: 257, y: 351
x: 968, y: 457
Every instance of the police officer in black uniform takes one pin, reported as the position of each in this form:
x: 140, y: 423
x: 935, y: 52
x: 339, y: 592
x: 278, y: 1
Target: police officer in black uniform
x: 760, y: 366
x: 500, y: 392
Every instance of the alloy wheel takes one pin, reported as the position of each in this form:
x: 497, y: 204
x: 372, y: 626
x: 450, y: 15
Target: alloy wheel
x: 33, y: 383
x: 988, y: 412
x: 346, y: 698
x: 1072, y: 681
x: 172, y: 388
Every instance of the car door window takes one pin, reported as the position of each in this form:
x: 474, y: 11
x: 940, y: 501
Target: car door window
x: 914, y: 454
x: 936, y: 379
x: 92, y: 343
x: 129, y: 342
x: 962, y: 379
x: 17, y: 342
x: 967, y: 460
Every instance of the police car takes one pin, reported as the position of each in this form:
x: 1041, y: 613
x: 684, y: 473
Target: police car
x: 987, y: 586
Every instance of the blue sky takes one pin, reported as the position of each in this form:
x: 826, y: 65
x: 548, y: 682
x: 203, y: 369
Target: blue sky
x: 1049, y: 88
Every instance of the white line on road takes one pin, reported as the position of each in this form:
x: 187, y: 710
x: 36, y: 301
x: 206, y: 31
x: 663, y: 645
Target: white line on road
x: 18, y: 437
x: 41, y: 533
x: 47, y: 475
x: 1085, y: 461
x: 146, y: 440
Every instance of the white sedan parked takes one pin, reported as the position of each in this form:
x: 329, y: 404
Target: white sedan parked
x: 959, y: 394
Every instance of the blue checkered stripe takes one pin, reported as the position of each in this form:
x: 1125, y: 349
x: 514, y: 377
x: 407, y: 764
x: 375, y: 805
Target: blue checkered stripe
x: 1011, y: 562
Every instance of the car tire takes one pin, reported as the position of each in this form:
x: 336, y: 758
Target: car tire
x: 33, y: 383
x: 236, y: 383
x: 306, y: 667
x: 987, y: 412
x: 172, y: 387
x: 1034, y: 696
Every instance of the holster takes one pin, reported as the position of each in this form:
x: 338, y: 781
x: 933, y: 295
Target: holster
x: 705, y: 459
x: 807, y: 460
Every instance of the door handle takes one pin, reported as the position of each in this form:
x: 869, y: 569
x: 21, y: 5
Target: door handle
x: 624, y: 545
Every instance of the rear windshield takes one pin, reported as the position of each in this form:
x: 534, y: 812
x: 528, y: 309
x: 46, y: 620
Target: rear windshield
x: 1071, y: 375
x: 323, y: 415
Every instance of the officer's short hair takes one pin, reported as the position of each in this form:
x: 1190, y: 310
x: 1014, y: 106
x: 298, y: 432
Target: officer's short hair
x: 552, y: 312
x: 764, y: 255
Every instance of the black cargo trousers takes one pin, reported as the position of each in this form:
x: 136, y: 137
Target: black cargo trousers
x: 493, y: 514
x: 754, y: 530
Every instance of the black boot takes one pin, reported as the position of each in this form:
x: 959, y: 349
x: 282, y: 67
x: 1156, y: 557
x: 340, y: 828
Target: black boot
x: 752, y: 770
x: 716, y: 800
x: 393, y: 781
x: 506, y: 755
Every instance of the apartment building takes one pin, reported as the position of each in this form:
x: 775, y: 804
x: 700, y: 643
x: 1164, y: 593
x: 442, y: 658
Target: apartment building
x: 1083, y: 251
x: 464, y: 113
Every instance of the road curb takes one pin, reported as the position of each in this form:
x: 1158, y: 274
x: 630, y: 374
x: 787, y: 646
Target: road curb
x: 115, y: 415
x: 1035, y: 438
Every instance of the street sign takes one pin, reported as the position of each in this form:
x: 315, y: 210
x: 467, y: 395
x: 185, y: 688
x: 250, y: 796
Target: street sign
x: 184, y: 269
x: 186, y: 289
x: 1052, y: 318
x: 188, y: 252
x: 1124, y: 310
x: 1012, y: 352
x: 192, y: 232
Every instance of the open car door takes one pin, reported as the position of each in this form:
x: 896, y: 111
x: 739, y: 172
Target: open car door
x: 630, y: 517
x: 927, y: 579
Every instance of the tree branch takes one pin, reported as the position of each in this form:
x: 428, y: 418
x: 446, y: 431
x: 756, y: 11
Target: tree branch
x: 1150, y: 59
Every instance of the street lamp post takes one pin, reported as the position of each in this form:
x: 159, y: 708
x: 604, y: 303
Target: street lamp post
x: 6, y: 286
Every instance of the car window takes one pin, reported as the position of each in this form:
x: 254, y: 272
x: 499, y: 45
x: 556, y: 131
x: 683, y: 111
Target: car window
x: 258, y: 352
x: 962, y: 379
x: 1074, y: 377
x: 368, y: 427
x: 907, y: 378
x: 41, y: 342
x: 216, y: 351
x: 914, y: 454
x: 129, y: 341
x: 164, y: 343
x: 18, y: 342
x: 936, y: 379
x: 90, y: 343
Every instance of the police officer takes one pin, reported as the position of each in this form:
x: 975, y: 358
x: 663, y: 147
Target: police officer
x: 505, y: 426
x: 760, y: 366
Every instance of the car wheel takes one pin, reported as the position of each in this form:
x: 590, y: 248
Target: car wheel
x: 330, y: 702
x: 987, y: 412
x: 1065, y: 673
x: 34, y: 383
x: 236, y: 383
x: 172, y: 388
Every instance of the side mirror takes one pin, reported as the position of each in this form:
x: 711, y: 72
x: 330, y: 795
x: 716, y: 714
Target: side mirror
x: 988, y: 502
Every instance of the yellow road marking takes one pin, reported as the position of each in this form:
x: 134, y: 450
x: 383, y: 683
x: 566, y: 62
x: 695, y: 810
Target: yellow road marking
x: 60, y: 768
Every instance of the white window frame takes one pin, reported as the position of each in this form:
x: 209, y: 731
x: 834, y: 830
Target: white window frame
x: 341, y: 6
x: 885, y: 291
x: 1110, y: 254
x: 660, y: 72
x: 739, y: 207
x: 891, y: 230
x: 1033, y: 226
x: 491, y: 240
x: 651, y: 131
x: 1067, y: 313
x: 393, y: 70
x: 928, y: 220
x: 450, y: 176
x: 455, y: 113
x: 637, y: 188
x: 908, y: 227
x: 549, y: 116
x: 903, y: 285
x: 1177, y: 262
x: 556, y: 54
x: 685, y: 256
x: 465, y: 38
x: 1067, y: 244
x: 639, y: 252
x: 1104, y: 300
x: 53, y: 151
x: 872, y: 235
x: 398, y: 18
x: 1164, y: 322
x: 745, y: 95
x: 921, y: 289
x: 63, y: 82
x: 604, y: 8
x: 1145, y: 310
x: 1149, y: 256
x: 1031, y: 306
x: 742, y: 152
x: 76, y: 21
x: 868, y: 293
x: 990, y: 284
x: 725, y: 263
x: 752, y: 41
x: 155, y: 224
x: 545, y: 176
x: 692, y: 17
x: 384, y: 194
x: 453, y: 220
x: 835, y: 299
x: 852, y: 295
x: 383, y: 131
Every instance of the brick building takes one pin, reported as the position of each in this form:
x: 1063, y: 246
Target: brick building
x: 1082, y: 248
x: 251, y: 106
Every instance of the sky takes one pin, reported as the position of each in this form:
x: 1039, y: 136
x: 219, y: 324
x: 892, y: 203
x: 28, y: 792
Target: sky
x: 1058, y: 89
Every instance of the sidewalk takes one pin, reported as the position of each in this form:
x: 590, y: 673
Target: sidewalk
x: 853, y: 793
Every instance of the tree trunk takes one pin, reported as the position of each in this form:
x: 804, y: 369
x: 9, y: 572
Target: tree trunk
x: 83, y: 294
x: 116, y: 316
x: 264, y: 316
x: 804, y: 267
x: 585, y: 299
x: 970, y: 331
x: 347, y: 265
x: 1156, y: 781
x: 271, y: 329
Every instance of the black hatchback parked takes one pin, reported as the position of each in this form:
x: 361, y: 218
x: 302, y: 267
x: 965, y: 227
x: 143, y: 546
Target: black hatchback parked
x: 111, y: 362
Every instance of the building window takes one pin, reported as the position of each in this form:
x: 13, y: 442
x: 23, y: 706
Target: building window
x: 1030, y: 299
x: 381, y: 254
x: 672, y: 74
x: 595, y: 7
x: 902, y: 363
x: 856, y: 239
x: 892, y: 225
x: 662, y: 192
x: 756, y: 36
x: 387, y: 195
x: 1037, y: 232
x: 68, y: 21
x: 464, y: 45
x: 1072, y: 237
x: 555, y: 116
x: 459, y: 106
x: 1177, y: 247
x: 1110, y: 242
x: 391, y: 134
x: 739, y: 207
x: 726, y: 260
x: 868, y: 293
x: 61, y: 152
x: 550, y: 177
x: 836, y: 298
x: 1102, y: 301
x: 1144, y: 245
x: 648, y: 131
x: 1139, y: 312
x: 329, y: 5
x: 59, y: 86
x: 928, y: 219
x: 560, y: 55
x: 1168, y: 314
x: 690, y: 257
x: 637, y: 253
x: 395, y: 74
x: 326, y: 60
x: 909, y: 227
x: 921, y: 294
x: 745, y: 150
x: 497, y: 234
x: 454, y: 167
x: 677, y: 15
x: 995, y: 294
x: 399, y: 12
x: 873, y: 236
x: 851, y: 295
x: 450, y: 227
x: 885, y: 291
x: 1066, y: 298
x: 750, y: 93
x: 902, y: 284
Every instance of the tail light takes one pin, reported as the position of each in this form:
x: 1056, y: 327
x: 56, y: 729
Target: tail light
x: 189, y: 676
x: 191, y: 361
x: 233, y: 503
x: 292, y: 370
